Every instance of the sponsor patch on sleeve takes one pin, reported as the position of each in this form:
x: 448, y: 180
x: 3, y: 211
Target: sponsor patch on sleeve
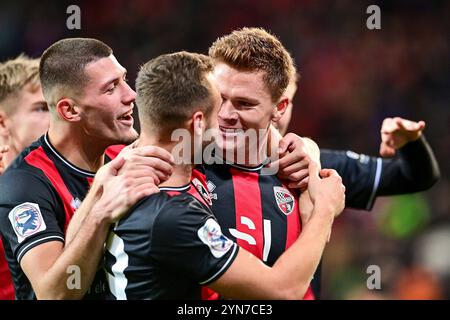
x: 211, y: 235
x: 26, y: 220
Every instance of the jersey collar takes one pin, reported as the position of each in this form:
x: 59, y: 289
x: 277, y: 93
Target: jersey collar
x: 66, y: 162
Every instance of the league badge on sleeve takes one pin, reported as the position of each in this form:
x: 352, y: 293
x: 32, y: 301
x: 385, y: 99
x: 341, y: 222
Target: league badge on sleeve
x: 211, y: 235
x: 284, y: 199
x: 26, y: 220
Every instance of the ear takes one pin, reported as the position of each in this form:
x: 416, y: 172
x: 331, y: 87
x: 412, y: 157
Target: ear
x: 68, y: 110
x: 280, y: 109
x: 198, y: 123
x: 4, y: 130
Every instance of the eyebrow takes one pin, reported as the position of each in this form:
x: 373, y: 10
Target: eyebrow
x: 247, y: 99
x: 106, y: 85
x: 39, y: 103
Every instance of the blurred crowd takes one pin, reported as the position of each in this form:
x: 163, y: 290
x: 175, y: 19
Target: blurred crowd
x: 351, y: 79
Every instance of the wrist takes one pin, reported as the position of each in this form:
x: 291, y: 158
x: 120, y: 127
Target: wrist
x: 100, y: 215
x: 325, y: 211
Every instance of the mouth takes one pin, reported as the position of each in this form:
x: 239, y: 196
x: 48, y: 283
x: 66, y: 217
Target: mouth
x: 127, y: 118
x: 225, y: 131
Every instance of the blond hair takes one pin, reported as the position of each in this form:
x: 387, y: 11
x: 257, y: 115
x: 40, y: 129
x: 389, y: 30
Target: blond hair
x: 15, y: 74
x: 254, y: 49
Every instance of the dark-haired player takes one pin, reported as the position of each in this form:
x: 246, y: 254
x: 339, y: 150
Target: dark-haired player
x: 90, y: 105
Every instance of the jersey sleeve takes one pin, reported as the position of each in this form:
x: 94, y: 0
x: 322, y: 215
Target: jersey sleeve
x: 360, y: 175
x: 188, y: 239
x: 27, y: 211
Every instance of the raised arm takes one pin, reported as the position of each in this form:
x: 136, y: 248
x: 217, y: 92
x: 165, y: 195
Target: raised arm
x: 415, y: 168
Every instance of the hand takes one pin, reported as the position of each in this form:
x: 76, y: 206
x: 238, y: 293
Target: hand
x: 295, y: 154
x: 3, y: 150
x: 118, y: 192
x: 326, y: 191
x: 396, y: 132
x: 154, y: 163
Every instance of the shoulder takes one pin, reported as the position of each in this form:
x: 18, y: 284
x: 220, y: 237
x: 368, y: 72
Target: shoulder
x: 23, y: 181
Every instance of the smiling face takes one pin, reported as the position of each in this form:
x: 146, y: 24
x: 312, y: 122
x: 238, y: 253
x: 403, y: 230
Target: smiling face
x: 107, y: 103
x: 246, y: 106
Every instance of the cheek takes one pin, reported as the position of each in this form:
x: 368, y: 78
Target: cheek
x: 255, y: 118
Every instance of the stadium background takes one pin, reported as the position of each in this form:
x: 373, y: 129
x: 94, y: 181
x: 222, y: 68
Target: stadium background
x: 352, y: 78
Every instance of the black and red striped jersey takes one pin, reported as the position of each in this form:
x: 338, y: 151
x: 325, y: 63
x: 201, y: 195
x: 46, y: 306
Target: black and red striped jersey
x: 167, y: 246
x: 258, y: 211
x: 39, y: 193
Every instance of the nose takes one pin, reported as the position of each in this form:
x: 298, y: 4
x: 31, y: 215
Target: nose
x: 129, y: 95
x: 227, y: 113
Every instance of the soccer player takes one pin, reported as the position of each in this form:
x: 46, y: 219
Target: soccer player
x: 170, y: 243
x: 253, y: 70
x: 24, y: 118
x: 90, y: 105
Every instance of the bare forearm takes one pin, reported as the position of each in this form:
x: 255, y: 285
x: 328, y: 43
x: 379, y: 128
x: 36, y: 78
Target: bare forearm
x: 82, y: 212
x: 82, y: 254
x: 295, y: 268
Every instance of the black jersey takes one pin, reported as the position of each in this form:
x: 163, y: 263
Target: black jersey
x: 360, y: 175
x: 167, y: 247
x: 414, y: 169
x: 258, y: 211
x: 39, y: 193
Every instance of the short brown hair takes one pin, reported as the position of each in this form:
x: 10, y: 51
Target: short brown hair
x: 254, y: 49
x: 170, y: 86
x: 15, y: 74
x: 62, y: 66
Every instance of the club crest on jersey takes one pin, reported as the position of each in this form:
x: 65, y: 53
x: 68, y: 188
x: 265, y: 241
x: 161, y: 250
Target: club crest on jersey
x: 26, y: 220
x: 211, y: 235
x: 202, y: 190
x: 284, y: 199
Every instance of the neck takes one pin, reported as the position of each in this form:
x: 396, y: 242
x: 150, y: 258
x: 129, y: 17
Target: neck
x: 76, y: 148
x: 181, y: 174
x: 7, y: 158
x: 249, y: 155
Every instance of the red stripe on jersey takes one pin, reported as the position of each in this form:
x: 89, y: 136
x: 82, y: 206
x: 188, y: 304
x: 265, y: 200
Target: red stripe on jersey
x: 113, y: 151
x: 208, y: 294
x: 173, y: 193
x: 248, y: 211
x: 309, y: 295
x: 39, y: 159
x: 90, y: 180
x: 6, y: 284
x: 293, y: 222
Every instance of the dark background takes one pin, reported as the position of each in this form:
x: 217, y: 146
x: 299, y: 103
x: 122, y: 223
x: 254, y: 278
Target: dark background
x: 352, y: 78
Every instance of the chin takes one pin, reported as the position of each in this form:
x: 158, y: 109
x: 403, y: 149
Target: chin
x: 127, y: 138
